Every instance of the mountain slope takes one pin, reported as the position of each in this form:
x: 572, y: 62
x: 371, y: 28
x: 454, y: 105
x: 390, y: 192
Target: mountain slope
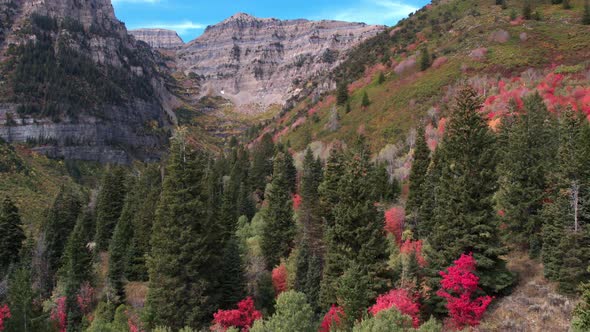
x: 77, y: 86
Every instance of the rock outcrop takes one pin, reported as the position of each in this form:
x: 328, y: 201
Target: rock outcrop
x: 158, y: 38
x: 265, y: 61
x: 78, y: 85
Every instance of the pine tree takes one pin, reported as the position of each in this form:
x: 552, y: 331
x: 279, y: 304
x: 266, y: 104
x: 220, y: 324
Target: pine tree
x: 581, y: 319
x: 428, y: 201
x: 109, y: 205
x: 25, y: 316
x: 586, y: 15
x: 279, y: 229
x: 342, y: 93
x: 328, y: 189
x: 119, y: 244
x: 302, y: 265
x: 245, y: 206
x: 464, y: 215
x: 357, y: 236
x: 354, y: 293
x: 262, y: 164
x: 365, y: 101
x: 527, y: 10
x: 418, y: 175
x: 380, y: 78
x: 61, y: 220
x: 77, y: 268
x: 313, y: 282
x: 184, y: 258
x: 290, y: 171
x: 233, y: 283
x: 526, y: 159
x: 310, y: 214
x: 424, y: 59
x: 11, y: 234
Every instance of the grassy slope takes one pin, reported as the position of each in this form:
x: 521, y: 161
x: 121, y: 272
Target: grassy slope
x: 403, y: 100
x: 32, y: 181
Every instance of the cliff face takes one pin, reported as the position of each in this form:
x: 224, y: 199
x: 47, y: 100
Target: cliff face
x: 158, y: 38
x: 76, y: 85
x: 264, y: 61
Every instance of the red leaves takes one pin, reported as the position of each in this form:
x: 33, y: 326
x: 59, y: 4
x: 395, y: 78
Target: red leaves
x: 243, y: 317
x: 402, y: 301
x: 415, y: 247
x: 279, y: 279
x: 458, y: 285
x: 296, y: 201
x: 59, y: 314
x: 4, y: 314
x: 332, y: 319
x: 85, y: 297
x: 394, y: 222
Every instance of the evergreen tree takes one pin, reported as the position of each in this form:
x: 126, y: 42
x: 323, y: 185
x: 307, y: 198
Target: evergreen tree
x: 424, y: 59
x: 464, y: 215
x: 293, y: 313
x: 61, y: 220
x: 328, y: 189
x: 77, y: 269
x: 581, y: 319
x: 313, y: 281
x: 233, y: 283
x: 279, y: 229
x: 11, y: 234
x: 150, y: 186
x: 418, y: 175
x: 357, y: 236
x: 290, y: 171
x: 119, y: 246
x: 245, y: 206
x: 527, y: 158
x: 109, y: 205
x: 425, y: 214
x: 586, y: 15
x: 527, y: 10
x: 354, y: 293
x: 184, y: 259
x: 310, y: 213
x: 302, y: 265
x: 566, y: 234
x: 365, y: 101
x: 380, y: 78
x: 342, y: 93
x: 262, y: 164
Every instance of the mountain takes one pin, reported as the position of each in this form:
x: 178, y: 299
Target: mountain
x: 158, y: 38
x: 266, y: 61
x: 75, y: 85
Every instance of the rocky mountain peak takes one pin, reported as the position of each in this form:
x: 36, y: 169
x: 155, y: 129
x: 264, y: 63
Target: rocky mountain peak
x: 158, y: 38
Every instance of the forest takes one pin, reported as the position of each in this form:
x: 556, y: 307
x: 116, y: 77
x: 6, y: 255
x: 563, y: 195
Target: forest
x: 253, y: 240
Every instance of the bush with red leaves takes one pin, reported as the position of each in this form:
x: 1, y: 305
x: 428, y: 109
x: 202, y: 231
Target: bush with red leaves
x: 4, y: 314
x: 409, y: 247
x: 394, y: 223
x: 85, y: 297
x: 279, y: 279
x: 458, y: 286
x: 243, y: 317
x: 296, y: 202
x: 59, y: 314
x: 332, y: 319
x: 402, y: 301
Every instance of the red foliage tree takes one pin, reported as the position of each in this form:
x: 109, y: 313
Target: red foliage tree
x: 279, y: 279
x: 4, y: 314
x: 59, y: 314
x: 458, y: 286
x: 402, y: 301
x: 415, y: 247
x: 296, y: 202
x: 333, y: 318
x: 85, y: 297
x: 243, y: 317
x: 394, y: 223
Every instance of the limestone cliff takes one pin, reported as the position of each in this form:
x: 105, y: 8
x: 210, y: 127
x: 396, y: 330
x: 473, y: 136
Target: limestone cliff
x: 76, y: 85
x: 251, y: 60
x: 158, y: 38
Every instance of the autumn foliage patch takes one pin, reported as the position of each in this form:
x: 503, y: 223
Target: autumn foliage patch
x: 243, y: 317
x: 402, y: 301
x: 4, y: 314
x: 332, y: 319
x: 394, y: 223
x: 279, y: 279
x: 459, y: 285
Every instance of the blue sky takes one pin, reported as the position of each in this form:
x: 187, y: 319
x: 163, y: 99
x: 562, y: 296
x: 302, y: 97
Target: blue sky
x: 190, y: 17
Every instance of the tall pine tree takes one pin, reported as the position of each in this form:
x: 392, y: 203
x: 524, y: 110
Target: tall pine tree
x: 464, y: 214
x: 418, y: 176
x: 111, y: 199
x: 11, y: 234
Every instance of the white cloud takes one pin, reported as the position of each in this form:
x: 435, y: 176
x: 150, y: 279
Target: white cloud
x: 386, y: 12
x: 180, y: 27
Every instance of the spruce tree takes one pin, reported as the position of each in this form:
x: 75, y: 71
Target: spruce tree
x: 418, y: 176
x: 425, y: 215
x: 25, y: 316
x: 424, y: 59
x: 11, y: 234
x: 61, y: 220
x: 586, y: 15
x: 109, y: 205
x: 365, y: 101
x: 279, y: 229
x: 380, y: 78
x: 342, y: 93
x: 581, y: 319
x: 290, y: 171
x: 354, y: 293
x: 262, y: 164
x: 527, y: 10
x: 328, y: 189
x: 184, y: 258
x: 310, y: 213
x: 527, y: 154
x: 313, y: 281
x: 357, y: 236
x: 233, y: 282
x: 464, y: 214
